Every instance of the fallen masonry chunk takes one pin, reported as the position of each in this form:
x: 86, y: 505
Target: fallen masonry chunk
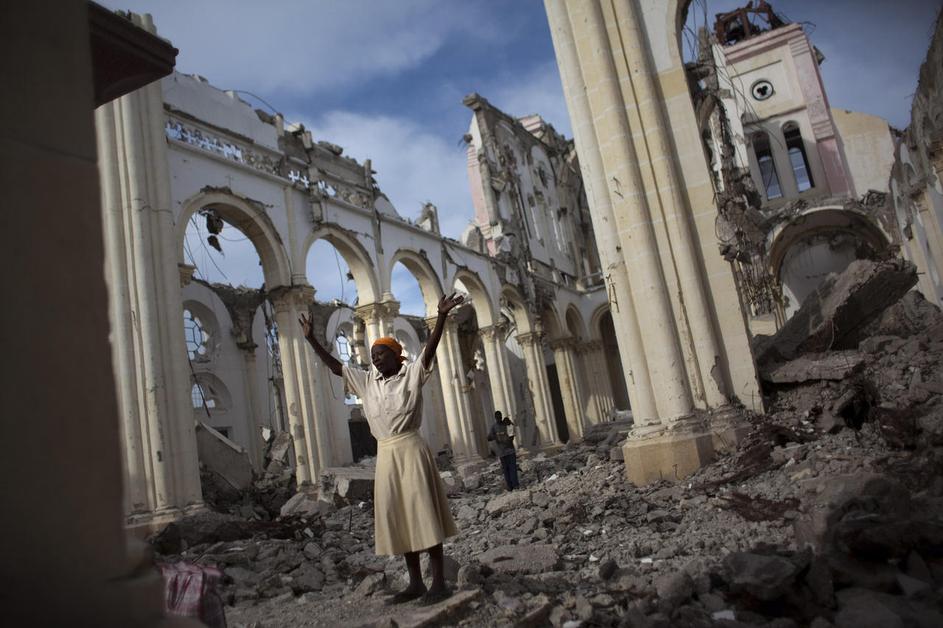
x: 521, y: 559
x: 508, y: 502
x: 764, y: 577
x: 346, y: 485
x: 836, y: 313
x: 833, y: 366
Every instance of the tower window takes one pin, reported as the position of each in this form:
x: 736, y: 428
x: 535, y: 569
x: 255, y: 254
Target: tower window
x: 797, y: 156
x: 764, y: 159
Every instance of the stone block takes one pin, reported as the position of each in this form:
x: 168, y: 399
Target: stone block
x: 666, y: 456
x: 515, y: 500
x: 521, y: 559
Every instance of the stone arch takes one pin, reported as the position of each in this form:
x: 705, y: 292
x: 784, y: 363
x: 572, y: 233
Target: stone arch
x: 595, y: 319
x: 822, y: 219
x: 251, y: 220
x: 480, y: 300
x: 551, y: 323
x: 574, y: 323
x: 422, y: 270
x: 512, y: 299
x: 603, y: 326
x: 824, y: 238
x: 354, y: 254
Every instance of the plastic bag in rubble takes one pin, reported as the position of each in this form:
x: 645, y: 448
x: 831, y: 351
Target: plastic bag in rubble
x: 191, y: 591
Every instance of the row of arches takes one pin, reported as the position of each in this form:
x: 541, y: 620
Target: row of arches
x: 496, y: 356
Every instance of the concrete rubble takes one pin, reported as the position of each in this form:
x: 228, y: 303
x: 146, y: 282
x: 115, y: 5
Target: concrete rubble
x: 829, y: 513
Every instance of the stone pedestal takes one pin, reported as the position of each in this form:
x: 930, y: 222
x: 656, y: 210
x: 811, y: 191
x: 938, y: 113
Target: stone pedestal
x: 666, y: 455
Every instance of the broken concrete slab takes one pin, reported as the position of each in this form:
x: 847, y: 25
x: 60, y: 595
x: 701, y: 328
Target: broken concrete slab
x: 437, y: 614
x: 346, y: 484
x: 836, y: 365
x: 222, y: 456
x: 305, y: 504
x: 835, y: 315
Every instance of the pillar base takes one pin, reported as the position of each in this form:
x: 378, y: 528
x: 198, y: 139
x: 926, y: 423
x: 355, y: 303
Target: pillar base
x: 729, y: 426
x: 666, y: 455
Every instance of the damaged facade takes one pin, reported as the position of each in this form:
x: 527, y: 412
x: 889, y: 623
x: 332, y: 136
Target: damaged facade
x: 801, y: 187
x: 530, y: 342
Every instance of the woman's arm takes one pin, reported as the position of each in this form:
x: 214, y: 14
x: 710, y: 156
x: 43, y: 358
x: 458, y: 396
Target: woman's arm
x: 332, y: 363
x: 446, y: 305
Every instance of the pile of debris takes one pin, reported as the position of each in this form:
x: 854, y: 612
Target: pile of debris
x: 830, y: 512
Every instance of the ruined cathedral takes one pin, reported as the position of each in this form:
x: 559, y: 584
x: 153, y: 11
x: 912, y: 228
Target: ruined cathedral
x: 718, y: 277
x: 617, y: 276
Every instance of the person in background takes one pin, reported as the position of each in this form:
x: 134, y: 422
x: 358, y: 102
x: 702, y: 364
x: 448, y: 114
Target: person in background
x: 411, y: 510
x: 503, y: 447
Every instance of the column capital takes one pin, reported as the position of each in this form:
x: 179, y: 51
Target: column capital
x: 376, y: 312
x: 591, y: 345
x: 451, y: 323
x: 186, y: 273
x: 284, y: 297
x: 563, y: 344
x: 529, y: 338
x: 492, y: 333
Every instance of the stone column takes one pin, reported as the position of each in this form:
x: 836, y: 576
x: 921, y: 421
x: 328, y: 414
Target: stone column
x: 637, y: 117
x: 492, y: 337
x: 539, y: 387
x: 145, y: 307
x: 457, y: 409
x: 624, y: 316
x: 564, y: 353
x: 371, y: 314
x: 289, y: 302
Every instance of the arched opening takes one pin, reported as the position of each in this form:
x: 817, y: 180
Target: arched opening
x: 328, y: 268
x: 610, y: 349
x: 228, y: 322
x: 816, y: 244
x: 554, y: 379
x: 514, y: 318
x: 414, y: 285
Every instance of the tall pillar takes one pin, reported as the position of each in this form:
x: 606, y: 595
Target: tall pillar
x: 289, y: 303
x: 457, y: 408
x: 145, y: 309
x: 565, y: 356
x: 492, y: 337
x: 253, y: 407
x: 635, y: 129
x: 539, y: 387
x: 625, y: 319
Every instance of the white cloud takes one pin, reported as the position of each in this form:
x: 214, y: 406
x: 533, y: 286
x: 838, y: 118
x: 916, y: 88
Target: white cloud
x: 413, y: 165
x: 300, y: 46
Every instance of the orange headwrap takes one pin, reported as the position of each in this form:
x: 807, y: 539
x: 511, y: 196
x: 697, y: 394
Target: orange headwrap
x: 390, y: 343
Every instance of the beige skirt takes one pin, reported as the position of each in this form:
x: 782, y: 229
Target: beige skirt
x: 411, y: 510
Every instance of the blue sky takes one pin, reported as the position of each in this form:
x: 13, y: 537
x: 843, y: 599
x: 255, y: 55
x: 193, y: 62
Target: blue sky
x: 385, y: 80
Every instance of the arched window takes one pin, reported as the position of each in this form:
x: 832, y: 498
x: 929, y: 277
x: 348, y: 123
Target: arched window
x: 196, y: 336
x: 201, y: 394
x: 343, y: 347
x: 797, y: 156
x: 764, y: 159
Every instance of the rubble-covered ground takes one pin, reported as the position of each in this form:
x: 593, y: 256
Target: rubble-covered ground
x: 830, y: 512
